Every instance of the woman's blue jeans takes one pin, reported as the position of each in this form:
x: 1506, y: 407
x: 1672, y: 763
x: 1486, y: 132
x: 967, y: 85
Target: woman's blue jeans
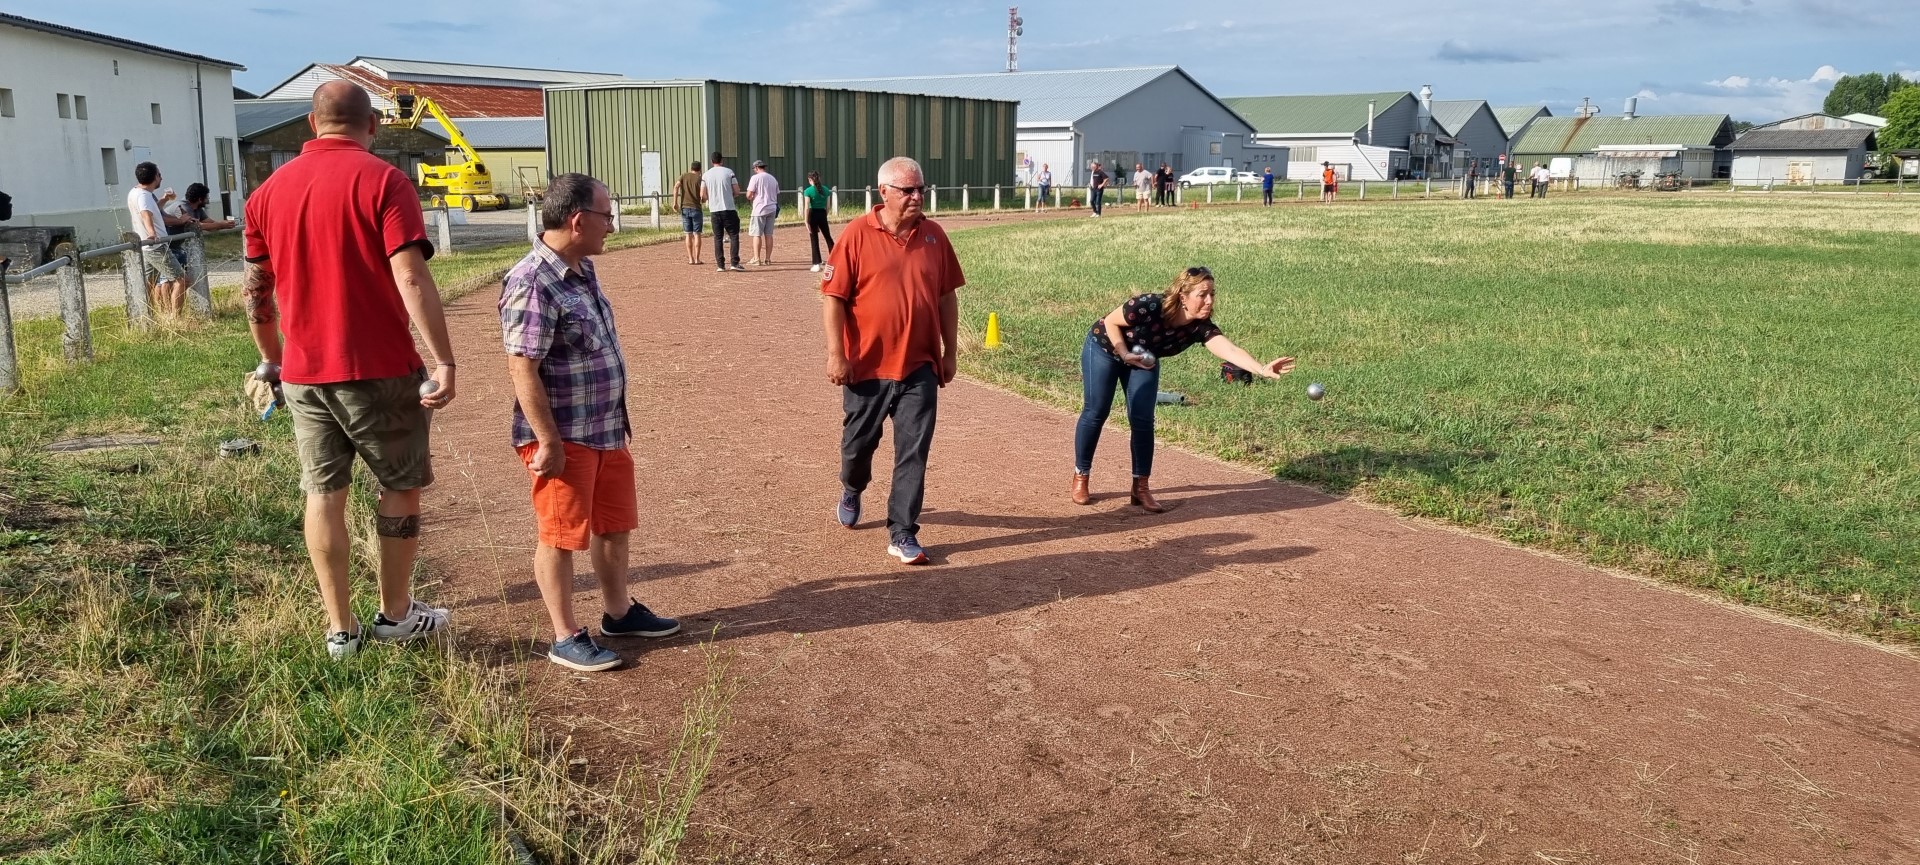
x: 1099, y: 373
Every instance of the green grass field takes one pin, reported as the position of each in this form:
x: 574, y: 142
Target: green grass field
x: 163, y: 692
x: 1717, y: 391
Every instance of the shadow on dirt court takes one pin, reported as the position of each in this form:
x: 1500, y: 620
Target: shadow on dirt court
x: 1265, y: 673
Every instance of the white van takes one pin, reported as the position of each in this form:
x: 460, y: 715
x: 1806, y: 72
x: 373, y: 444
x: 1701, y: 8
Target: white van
x: 1206, y: 176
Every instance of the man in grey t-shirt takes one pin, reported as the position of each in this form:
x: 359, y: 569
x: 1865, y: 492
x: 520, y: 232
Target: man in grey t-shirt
x: 717, y: 188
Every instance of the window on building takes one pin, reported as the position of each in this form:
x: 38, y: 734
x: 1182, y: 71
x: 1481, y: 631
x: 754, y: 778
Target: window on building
x: 969, y: 130
x: 6, y: 102
x: 776, y: 122
x: 223, y: 152
x: 110, y: 166
x: 65, y: 103
x: 155, y: 107
x: 936, y: 128
x: 1213, y: 148
x: 116, y: 67
x: 860, y: 125
x: 79, y: 107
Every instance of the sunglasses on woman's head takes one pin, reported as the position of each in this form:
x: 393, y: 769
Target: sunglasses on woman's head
x: 1200, y: 272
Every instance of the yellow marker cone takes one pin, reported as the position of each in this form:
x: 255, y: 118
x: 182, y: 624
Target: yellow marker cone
x: 993, y: 330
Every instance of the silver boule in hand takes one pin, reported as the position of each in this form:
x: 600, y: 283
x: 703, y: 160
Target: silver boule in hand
x: 1145, y: 356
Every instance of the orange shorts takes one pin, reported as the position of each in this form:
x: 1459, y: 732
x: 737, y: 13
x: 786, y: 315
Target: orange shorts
x: 593, y: 495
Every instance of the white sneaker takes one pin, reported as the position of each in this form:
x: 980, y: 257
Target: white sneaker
x: 420, y: 621
x: 815, y: 268
x: 342, y: 645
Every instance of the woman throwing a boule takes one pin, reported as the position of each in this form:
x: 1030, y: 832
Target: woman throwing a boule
x: 1124, y: 348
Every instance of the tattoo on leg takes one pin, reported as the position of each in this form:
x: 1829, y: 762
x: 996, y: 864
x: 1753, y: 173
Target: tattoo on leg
x: 397, y: 527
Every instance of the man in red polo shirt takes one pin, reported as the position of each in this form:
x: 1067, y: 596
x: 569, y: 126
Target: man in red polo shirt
x: 891, y: 323
x: 337, y: 236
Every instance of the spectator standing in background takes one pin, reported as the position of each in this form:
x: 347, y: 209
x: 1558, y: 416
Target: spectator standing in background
x: 764, y: 191
x: 686, y: 195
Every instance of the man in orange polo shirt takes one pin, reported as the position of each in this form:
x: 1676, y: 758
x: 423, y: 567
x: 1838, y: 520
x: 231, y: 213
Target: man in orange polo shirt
x: 891, y: 320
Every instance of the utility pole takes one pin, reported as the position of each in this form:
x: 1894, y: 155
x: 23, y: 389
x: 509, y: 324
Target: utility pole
x: 1014, y: 30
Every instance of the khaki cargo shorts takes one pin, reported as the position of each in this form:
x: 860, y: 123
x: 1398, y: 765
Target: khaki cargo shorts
x: 160, y: 264
x: 381, y: 420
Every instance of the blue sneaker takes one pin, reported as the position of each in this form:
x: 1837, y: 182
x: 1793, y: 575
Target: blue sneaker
x: 907, y: 549
x: 849, y: 509
x: 638, y: 622
x: 580, y: 652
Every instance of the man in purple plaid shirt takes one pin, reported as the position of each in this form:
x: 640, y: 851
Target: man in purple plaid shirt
x: 570, y: 420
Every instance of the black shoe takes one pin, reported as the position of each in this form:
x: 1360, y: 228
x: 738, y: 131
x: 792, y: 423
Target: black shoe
x: 638, y: 622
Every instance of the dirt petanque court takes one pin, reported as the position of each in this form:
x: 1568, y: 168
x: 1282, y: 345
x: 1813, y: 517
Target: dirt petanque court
x: 1264, y: 673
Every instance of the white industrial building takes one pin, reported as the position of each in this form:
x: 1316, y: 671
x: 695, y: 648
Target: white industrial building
x: 1364, y: 136
x: 1765, y: 157
x: 1825, y: 121
x: 1069, y: 118
x: 78, y: 110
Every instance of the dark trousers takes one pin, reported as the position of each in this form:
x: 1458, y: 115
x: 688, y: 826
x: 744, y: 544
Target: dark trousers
x: 1099, y: 373
x: 912, y: 403
x: 1469, y: 187
x: 816, y: 228
x: 1509, y: 188
x: 1164, y: 196
x: 1095, y: 198
x: 726, y: 226
x: 1266, y: 195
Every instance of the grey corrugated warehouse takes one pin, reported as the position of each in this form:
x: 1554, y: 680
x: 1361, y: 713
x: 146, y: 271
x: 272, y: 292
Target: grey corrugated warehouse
x: 607, y: 129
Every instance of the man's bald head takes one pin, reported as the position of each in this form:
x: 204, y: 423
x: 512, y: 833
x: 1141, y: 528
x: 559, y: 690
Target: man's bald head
x: 343, y: 109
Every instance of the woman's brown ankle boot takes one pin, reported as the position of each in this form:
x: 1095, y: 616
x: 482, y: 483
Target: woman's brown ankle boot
x: 1082, y: 494
x: 1144, y: 498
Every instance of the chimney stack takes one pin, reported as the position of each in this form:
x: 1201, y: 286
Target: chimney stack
x: 1632, y: 103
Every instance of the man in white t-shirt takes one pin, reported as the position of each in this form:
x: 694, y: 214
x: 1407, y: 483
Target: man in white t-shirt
x: 150, y: 222
x: 717, y: 188
x: 764, y: 191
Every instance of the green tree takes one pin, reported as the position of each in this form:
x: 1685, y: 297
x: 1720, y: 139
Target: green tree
x: 1863, y: 94
x: 1902, y: 131
x: 1740, y: 126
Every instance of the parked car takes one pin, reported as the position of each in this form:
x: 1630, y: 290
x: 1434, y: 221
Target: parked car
x: 1206, y: 176
x: 1246, y: 177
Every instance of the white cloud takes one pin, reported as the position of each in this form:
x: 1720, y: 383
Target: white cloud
x: 1647, y: 95
x: 1751, y: 97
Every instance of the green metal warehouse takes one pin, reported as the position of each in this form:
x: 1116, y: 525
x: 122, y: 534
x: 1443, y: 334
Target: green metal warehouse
x: 609, y: 130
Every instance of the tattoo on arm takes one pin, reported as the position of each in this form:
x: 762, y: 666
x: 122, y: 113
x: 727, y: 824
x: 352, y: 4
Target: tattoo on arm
x: 257, y: 289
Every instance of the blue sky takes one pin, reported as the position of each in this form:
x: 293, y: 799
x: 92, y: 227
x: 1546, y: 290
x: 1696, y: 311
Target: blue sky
x: 1755, y: 59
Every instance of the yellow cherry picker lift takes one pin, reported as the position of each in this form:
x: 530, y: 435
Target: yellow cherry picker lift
x: 468, y: 185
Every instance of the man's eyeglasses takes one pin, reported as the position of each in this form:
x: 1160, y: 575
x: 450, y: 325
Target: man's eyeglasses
x: 607, y: 214
x: 1200, y: 272
x: 909, y: 190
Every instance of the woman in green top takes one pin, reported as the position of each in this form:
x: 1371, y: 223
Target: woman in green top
x: 817, y: 197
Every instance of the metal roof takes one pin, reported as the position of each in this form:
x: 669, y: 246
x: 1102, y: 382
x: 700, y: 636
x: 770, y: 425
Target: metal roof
x: 400, y: 69
x: 1583, y: 134
x: 1872, y: 120
x: 497, y: 133
x: 114, y: 41
x: 1452, y: 114
x: 1059, y: 97
x: 1802, y: 139
x: 1514, y: 118
x: 253, y: 117
x: 1310, y: 115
